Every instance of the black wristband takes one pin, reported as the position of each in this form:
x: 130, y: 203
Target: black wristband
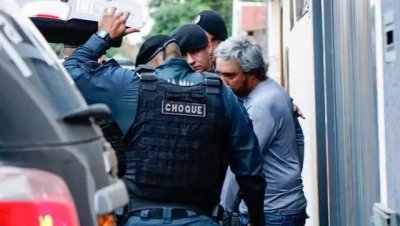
x: 103, y: 34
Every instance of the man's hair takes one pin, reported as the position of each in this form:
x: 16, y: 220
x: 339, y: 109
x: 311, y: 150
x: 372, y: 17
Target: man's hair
x: 247, y: 55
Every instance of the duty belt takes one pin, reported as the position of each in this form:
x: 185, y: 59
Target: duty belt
x: 140, y: 204
x: 159, y: 210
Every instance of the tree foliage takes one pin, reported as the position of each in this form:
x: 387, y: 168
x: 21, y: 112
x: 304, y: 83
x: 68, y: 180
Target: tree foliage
x: 170, y: 14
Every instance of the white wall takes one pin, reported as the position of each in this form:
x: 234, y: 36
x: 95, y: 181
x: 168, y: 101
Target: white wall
x: 302, y: 90
x: 237, y: 17
x: 299, y: 42
x: 274, y: 40
x: 388, y: 83
x: 380, y: 102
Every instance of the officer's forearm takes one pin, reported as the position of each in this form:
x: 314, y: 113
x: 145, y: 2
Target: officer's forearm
x: 252, y: 190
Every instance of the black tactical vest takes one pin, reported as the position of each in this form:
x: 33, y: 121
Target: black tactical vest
x: 114, y: 136
x: 175, y: 148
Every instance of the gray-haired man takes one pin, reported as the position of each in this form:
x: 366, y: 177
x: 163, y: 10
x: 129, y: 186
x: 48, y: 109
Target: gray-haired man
x: 242, y: 67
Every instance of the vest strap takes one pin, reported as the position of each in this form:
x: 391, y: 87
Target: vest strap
x: 213, y: 82
x: 147, y: 76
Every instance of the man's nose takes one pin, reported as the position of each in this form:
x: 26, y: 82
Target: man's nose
x: 224, y: 80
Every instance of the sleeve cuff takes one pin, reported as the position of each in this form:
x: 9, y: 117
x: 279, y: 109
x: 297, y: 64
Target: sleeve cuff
x: 97, y: 45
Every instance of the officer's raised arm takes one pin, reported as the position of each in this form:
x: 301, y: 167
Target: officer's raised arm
x: 105, y: 82
x: 111, y: 27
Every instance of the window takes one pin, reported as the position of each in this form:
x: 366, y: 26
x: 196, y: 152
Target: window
x: 300, y: 8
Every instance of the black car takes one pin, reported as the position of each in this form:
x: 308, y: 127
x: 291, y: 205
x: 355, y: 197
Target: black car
x: 56, y: 168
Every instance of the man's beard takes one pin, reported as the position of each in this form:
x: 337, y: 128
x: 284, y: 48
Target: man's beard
x: 243, y: 90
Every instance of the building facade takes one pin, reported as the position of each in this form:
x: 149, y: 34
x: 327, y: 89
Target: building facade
x: 339, y: 60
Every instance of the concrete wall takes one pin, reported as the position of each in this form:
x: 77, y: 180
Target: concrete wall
x: 274, y: 40
x: 299, y: 78
x: 391, y: 100
x: 302, y: 90
x: 295, y: 51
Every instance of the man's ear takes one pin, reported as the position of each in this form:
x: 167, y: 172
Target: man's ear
x: 209, y: 47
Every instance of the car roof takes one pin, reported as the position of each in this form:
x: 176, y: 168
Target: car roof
x: 73, y: 21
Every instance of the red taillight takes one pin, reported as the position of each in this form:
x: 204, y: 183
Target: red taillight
x: 35, y: 198
x: 47, y: 16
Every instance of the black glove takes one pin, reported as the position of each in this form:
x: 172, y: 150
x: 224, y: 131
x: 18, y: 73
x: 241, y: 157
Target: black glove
x: 251, y: 190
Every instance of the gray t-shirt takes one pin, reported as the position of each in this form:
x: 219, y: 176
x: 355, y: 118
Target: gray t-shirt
x: 270, y: 109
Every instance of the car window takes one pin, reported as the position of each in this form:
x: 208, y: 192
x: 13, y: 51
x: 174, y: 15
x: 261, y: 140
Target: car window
x: 27, y: 54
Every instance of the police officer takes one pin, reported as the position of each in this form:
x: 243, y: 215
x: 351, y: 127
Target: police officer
x: 180, y: 127
x: 152, y: 51
x: 214, y: 26
x: 195, y: 46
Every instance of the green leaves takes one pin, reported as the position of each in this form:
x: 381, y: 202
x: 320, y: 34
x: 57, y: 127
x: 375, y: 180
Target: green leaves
x: 170, y: 14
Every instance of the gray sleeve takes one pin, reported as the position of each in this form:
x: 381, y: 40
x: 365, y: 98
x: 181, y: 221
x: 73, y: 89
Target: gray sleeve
x: 264, y: 125
x: 229, y: 193
x: 299, y: 140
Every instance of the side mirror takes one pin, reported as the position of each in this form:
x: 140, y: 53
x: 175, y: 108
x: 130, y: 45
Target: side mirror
x: 96, y: 111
